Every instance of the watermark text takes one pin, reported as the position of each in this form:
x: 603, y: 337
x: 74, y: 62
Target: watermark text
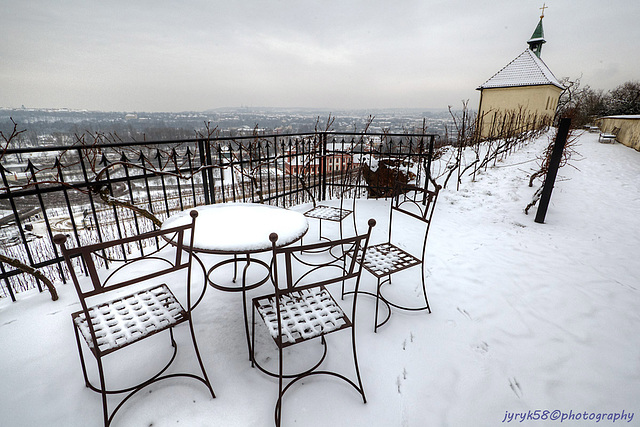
x: 558, y: 415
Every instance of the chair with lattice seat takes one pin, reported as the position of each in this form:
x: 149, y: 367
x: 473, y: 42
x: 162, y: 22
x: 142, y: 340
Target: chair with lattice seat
x: 126, y: 320
x: 328, y: 213
x: 129, y: 304
x: 305, y: 314
x: 385, y: 259
x: 337, y: 214
x: 302, y: 307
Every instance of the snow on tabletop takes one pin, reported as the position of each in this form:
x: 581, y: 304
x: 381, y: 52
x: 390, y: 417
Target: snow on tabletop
x: 241, y: 227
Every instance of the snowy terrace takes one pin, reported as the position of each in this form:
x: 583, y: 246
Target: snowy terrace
x: 526, y: 317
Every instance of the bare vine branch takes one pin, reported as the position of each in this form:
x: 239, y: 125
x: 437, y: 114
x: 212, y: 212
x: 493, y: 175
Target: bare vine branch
x: 13, y: 261
x: 7, y: 139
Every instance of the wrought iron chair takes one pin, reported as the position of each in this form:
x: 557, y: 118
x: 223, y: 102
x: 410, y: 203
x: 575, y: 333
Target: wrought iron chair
x: 385, y: 259
x: 301, y: 308
x: 326, y: 212
x: 122, y: 310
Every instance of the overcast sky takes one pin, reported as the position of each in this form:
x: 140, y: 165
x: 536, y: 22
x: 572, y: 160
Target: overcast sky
x: 193, y: 55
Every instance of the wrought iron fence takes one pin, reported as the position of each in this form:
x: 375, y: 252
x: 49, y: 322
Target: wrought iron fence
x: 96, y: 192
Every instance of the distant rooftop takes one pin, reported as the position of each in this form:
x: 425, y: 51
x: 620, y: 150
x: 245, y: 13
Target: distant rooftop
x: 525, y: 70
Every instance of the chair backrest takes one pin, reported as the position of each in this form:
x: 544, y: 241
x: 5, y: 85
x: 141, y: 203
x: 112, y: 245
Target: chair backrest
x: 347, y: 177
x: 94, y: 255
x: 335, y: 269
x: 415, y: 202
x: 351, y: 181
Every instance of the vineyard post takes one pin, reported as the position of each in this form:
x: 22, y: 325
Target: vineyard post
x: 554, y: 164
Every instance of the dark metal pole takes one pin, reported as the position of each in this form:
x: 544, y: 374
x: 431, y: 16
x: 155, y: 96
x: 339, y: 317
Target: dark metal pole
x: 554, y: 164
x: 428, y: 177
x: 323, y: 164
x: 205, y: 166
x: 211, y: 188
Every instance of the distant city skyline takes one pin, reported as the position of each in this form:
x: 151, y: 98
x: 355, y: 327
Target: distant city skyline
x: 337, y: 55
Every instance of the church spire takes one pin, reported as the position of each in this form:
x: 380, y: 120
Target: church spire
x: 537, y: 38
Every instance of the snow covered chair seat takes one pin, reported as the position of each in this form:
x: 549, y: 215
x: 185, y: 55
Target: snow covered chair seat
x: 128, y: 319
x: 329, y: 213
x: 301, y: 309
x: 305, y: 314
x: 386, y: 258
x: 124, y: 304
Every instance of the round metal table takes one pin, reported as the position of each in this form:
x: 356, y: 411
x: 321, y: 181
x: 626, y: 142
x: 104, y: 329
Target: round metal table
x: 240, y: 230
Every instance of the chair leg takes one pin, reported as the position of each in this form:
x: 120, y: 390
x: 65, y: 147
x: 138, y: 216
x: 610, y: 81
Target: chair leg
x: 244, y: 304
x: 424, y: 290
x: 82, y: 363
x: 103, y: 393
x: 375, y: 323
x: 174, y: 344
x: 355, y: 225
x: 278, y: 412
x: 253, y: 336
x: 355, y: 362
x: 197, y: 351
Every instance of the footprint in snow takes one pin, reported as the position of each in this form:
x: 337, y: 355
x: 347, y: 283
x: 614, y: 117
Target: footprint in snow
x: 404, y: 343
x: 399, y: 379
x: 464, y: 312
x: 481, y: 348
x: 515, y: 387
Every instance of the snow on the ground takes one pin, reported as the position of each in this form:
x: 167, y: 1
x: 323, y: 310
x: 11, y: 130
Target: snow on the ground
x: 526, y: 317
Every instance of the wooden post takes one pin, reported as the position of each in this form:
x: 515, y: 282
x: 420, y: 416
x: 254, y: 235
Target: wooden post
x: 554, y: 164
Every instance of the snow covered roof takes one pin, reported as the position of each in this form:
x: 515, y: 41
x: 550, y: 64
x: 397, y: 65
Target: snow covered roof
x: 525, y: 70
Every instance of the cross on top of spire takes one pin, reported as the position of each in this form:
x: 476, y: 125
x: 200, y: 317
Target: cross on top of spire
x: 544, y: 6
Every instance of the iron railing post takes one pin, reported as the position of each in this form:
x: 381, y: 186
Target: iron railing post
x: 323, y: 165
x: 203, y: 165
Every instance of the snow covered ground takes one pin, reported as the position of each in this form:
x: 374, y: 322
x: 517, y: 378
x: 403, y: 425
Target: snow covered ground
x: 526, y: 317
